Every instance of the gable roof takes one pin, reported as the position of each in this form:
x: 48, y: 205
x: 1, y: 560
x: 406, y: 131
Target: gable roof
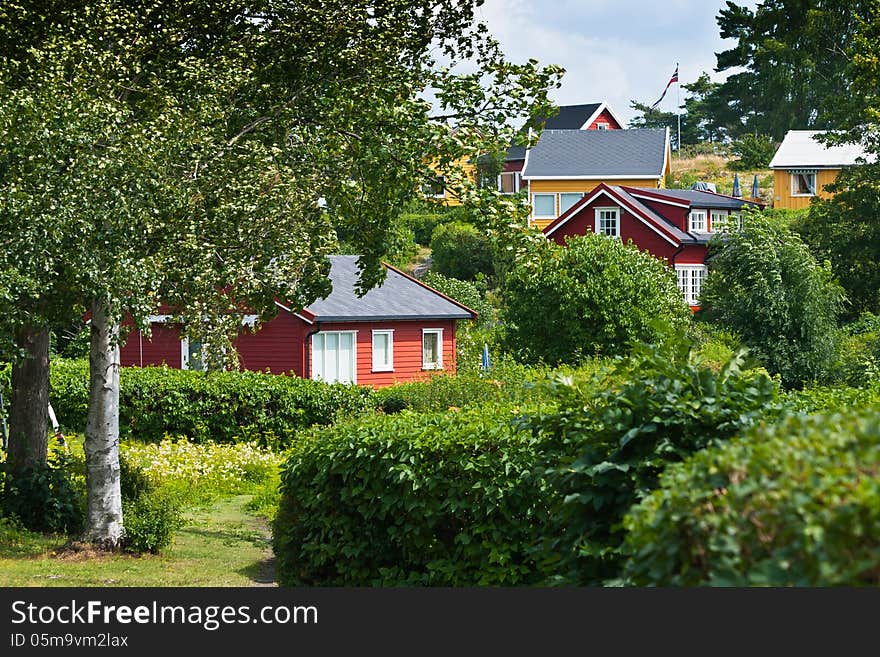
x: 692, y: 198
x: 659, y: 224
x: 399, y: 297
x: 570, y: 117
x: 800, y: 149
x: 598, y: 154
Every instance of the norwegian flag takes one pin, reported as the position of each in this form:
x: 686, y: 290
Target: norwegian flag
x: 672, y: 80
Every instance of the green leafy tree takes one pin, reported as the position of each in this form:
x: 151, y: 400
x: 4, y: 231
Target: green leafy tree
x: 765, y: 285
x: 788, y: 67
x: 592, y: 296
x: 201, y: 153
x: 460, y: 250
x: 844, y: 228
x: 754, y: 152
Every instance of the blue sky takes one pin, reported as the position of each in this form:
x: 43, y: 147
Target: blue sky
x: 613, y: 50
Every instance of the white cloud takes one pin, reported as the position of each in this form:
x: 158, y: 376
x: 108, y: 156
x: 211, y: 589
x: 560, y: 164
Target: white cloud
x: 612, y: 50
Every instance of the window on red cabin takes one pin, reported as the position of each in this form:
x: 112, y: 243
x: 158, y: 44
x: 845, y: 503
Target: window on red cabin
x: 334, y: 357
x: 509, y: 182
x: 432, y: 349
x: 608, y: 221
x: 690, y: 282
x: 602, y: 126
x: 383, y: 350
x: 697, y: 221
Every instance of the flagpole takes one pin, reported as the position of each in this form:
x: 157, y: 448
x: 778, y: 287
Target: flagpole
x: 678, y: 108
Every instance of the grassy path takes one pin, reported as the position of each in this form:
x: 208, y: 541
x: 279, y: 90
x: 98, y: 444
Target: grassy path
x: 221, y: 546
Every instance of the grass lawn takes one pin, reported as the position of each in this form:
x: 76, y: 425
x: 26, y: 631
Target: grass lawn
x: 223, y: 545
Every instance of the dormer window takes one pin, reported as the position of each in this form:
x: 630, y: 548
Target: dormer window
x: 697, y: 222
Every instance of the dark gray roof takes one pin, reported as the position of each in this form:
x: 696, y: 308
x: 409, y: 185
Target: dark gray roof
x: 574, y: 153
x: 571, y: 117
x: 399, y: 297
x: 516, y: 153
x: 658, y: 219
x: 700, y: 199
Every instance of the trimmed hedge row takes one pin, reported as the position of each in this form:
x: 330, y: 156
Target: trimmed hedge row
x: 219, y: 406
x: 448, y: 499
x: 796, y: 503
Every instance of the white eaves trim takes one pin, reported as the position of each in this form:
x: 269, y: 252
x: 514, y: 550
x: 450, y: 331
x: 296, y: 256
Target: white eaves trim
x: 283, y: 307
x: 603, y: 107
x: 800, y: 150
x: 590, y: 198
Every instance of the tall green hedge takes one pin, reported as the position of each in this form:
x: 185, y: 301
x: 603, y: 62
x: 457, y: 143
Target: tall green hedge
x: 219, y: 406
x: 448, y: 499
x: 796, y: 503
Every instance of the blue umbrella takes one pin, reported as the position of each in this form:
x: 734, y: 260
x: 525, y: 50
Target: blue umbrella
x: 755, y: 187
x: 485, y: 363
x: 736, y: 190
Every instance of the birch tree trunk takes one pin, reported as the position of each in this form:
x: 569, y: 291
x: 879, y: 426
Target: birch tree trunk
x: 28, y: 414
x: 102, y: 433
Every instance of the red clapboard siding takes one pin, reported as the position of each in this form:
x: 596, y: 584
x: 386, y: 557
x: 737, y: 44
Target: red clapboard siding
x: 672, y: 213
x: 604, y: 117
x: 163, y: 347
x: 276, y: 347
x: 513, y: 165
x: 407, y: 343
x: 281, y: 346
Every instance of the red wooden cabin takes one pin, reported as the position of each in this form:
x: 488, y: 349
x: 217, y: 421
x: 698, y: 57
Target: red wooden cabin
x: 402, y: 330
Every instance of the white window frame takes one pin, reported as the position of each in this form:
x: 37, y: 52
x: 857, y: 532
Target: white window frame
x: 534, y: 206
x: 516, y: 181
x: 721, y: 217
x: 579, y: 195
x: 383, y: 367
x: 599, y: 218
x: 793, y: 175
x: 439, y: 364
x: 692, y: 225
x: 690, y: 282
x: 353, y: 334
x: 602, y: 125
x: 438, y: 180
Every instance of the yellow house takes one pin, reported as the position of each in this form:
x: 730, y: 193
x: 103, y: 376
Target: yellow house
x: 802, y: 167
x: 567, y: 164
x: 437, y: 190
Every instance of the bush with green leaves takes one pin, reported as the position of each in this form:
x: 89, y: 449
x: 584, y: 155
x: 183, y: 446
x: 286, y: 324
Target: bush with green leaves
x: 612, y: 442
x: 460, y: 250
x: 765, y: 285
x: 423, y: 224
x: 49, y: 498
x: 443, y: 499
x: 150, y: 516
x: 754, y: 152
x: 218, y: 406
x: 791, y: 504
x: 593, y: 296
x: 465, y: 292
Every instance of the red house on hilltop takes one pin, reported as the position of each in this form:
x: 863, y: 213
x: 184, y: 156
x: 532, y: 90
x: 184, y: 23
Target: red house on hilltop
x: 402, y: 330
x: 672, y: 224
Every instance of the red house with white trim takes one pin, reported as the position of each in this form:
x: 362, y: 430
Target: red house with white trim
x: 402, y: 330
x: 671, y: 224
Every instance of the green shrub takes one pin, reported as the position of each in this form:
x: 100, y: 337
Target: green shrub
x: 150, y: 522
x: 611, y: 442
x: 219, y: 406
x: 754, y: 152
x: 423, y: 225
x: 49, y: 498
x: 461, y: 251
x: 830, y: 399
x: 446, y: 499
x: 465, y: 292
x: 796, y: 503
x: 593, y: 296
x: 766, y: 286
